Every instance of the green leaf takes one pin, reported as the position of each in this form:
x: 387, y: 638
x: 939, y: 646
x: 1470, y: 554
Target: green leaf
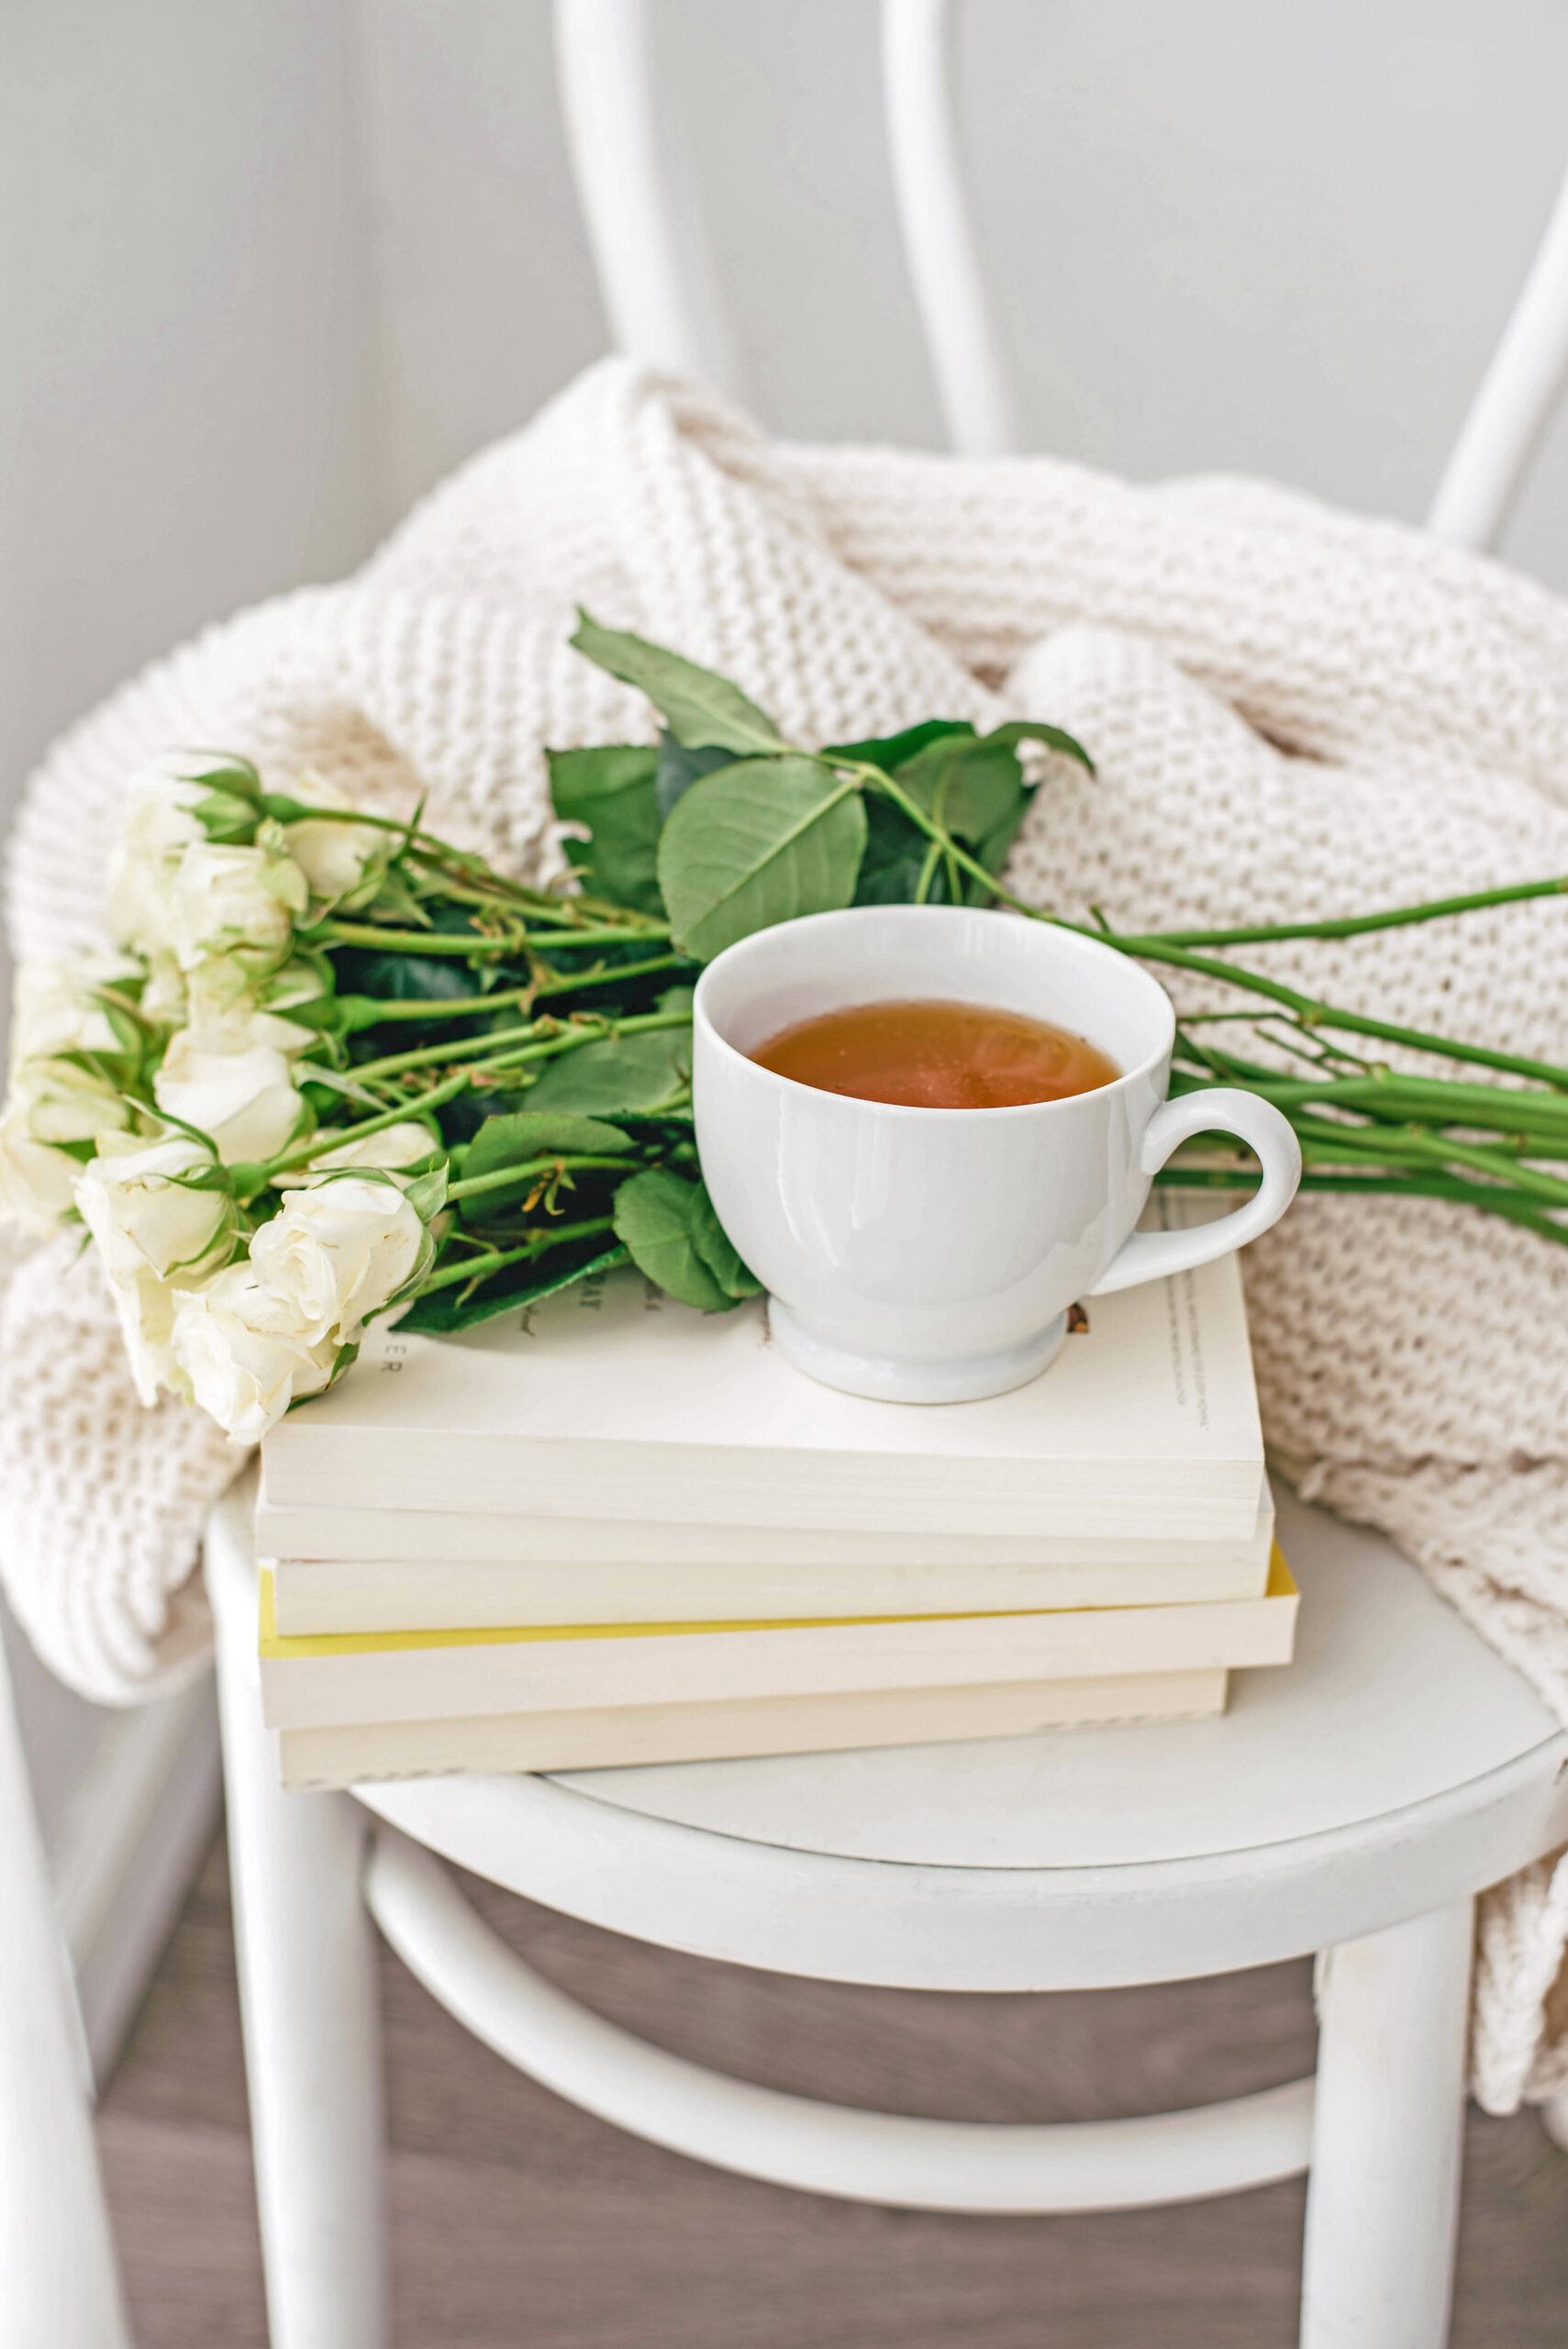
x: 366, y: 971
x: 612, y: 791
x: 970, y: 787
x: 1033, y: 729
x: 759, y: 843
x: 618, y: 1072
x: 448, y: 1310
x: 659, y: 1217
x: 679, y: 768
x: 515, y: 1140
x: 894, y: 858
x: 699, y: 708
x: 889, y: 751
x: 719, y: 1252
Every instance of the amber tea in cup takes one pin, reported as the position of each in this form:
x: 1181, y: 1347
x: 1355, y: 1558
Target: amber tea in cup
x: 935, y: 1054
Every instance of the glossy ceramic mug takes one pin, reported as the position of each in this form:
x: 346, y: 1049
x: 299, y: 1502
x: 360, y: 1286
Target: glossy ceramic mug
x: 930, y: 1255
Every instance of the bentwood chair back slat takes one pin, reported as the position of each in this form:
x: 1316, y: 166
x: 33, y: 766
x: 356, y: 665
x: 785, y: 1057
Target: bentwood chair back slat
x: 1171, y: 1852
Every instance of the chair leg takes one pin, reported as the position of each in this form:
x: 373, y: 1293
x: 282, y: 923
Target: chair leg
x: 1383, y: 2195
x: 307, y: 1988
x: 58, y: 2289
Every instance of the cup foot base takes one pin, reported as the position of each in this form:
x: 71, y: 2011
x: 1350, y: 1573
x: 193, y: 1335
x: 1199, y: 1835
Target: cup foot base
x: 967, y: 1380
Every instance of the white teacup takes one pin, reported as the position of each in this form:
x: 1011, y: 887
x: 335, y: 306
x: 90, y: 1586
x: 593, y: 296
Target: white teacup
x: 930, y: 1255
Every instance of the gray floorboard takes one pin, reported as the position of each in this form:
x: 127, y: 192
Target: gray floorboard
x: 519, y: 2223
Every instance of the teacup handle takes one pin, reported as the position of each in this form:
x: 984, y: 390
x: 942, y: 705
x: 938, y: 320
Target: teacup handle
x: 1150, y: 1255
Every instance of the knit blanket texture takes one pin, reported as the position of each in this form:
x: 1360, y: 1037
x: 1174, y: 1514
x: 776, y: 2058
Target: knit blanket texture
x: 1295, y: 713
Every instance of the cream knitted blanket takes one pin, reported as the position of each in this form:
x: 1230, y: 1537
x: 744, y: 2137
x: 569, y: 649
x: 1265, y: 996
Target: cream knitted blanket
x: 1295, y: 713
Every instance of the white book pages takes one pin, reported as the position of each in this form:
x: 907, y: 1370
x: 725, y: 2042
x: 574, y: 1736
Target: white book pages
x: 443, y: 1541
x: 429, y: 1675
x: 621, y: 1736
x: 451, y: 1593
x: 610, y: 1401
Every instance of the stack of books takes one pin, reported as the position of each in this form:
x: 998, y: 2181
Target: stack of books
x: 614, y: 1531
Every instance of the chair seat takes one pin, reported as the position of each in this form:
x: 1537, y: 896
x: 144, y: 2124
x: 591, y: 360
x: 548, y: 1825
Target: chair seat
x: 1391, y: 1700
x: 1396, y: 1765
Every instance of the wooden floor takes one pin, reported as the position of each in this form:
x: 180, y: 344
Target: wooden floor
x: 521, y: 2223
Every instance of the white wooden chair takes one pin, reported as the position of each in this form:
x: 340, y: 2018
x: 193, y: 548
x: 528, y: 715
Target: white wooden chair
x: 1353, y: 1805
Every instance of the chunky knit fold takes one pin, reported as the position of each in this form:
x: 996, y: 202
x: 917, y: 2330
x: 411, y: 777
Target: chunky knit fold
x: 1295, y: 713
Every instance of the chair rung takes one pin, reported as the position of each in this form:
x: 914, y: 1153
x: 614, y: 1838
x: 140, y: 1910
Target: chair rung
x: 791, y: 2140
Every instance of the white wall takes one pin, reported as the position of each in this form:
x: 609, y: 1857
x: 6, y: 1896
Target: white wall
x: 1280, y: 238
x: 186, y: 412
x: 186, y: 378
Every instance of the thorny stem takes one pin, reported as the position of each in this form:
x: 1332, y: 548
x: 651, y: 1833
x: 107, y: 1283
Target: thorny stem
x: 474, y: 1007
x: 494, y: 1259
x: 504, y: 1175
x: 1357, y: 925
x: 430, y: 941
x: 1492, y: 1200
x: 481, y: 1050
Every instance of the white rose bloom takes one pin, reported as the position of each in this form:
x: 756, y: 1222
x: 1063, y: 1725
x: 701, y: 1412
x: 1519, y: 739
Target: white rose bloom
x: 338, y: 1251
x: 217, y: 988
x: 232, y: 1081
x: 49, y: 1102
x: 136, y: 1200
x: 159, y: 823
x: 146, y: 1309
x: 229, y: 901
x: 165, y: 998
x: 394, y: 1146
x: 148, y: 1226
x: 340, y: 860
x: 35, y: 1181
x: 55, y: 1010
x: 297, y: 982
x: 243, y: 1355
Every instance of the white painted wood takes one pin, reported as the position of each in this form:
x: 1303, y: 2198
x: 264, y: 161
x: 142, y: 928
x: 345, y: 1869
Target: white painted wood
x: 125, y: 1850
x: 59, y: 2287
x: 920, y: 77
x: 739, y: 1897
x: 1515, y: 403
x: 308, y: 1991
x: 1383, y: 2203
x: 792, y: 2140
x: 642, y: 221
x: 1391, y: 1700
x: 979, y: 1928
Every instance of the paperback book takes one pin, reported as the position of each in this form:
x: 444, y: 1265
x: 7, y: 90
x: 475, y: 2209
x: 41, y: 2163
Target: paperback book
x: 611, y: 1402
x: 406, y: 1676
x: 725, y: 1729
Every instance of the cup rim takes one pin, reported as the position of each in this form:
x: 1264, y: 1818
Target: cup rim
x: 1074, y: 940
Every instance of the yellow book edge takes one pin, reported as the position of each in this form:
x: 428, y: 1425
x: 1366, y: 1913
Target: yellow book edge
x: 276, y: 1647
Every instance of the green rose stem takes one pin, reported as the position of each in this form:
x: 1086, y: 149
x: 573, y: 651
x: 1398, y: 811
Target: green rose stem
x: 482, y: 1050
x: 1489, y: 1199
x: 1155, y: 948
x: 494, y: 1259
x: 1421, y: 1100
x: 336, y: 1137
x: 432, y: 941
x: 506, y: 1176
x: 1354, y: 925
x: 471, y: 1006
x: 473, y: 874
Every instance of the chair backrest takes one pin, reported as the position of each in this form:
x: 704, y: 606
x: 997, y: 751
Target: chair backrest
x: 664, y: 303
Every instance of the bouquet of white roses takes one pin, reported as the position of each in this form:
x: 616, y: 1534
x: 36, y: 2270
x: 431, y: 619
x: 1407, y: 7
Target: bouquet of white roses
x: 334, y: 1066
